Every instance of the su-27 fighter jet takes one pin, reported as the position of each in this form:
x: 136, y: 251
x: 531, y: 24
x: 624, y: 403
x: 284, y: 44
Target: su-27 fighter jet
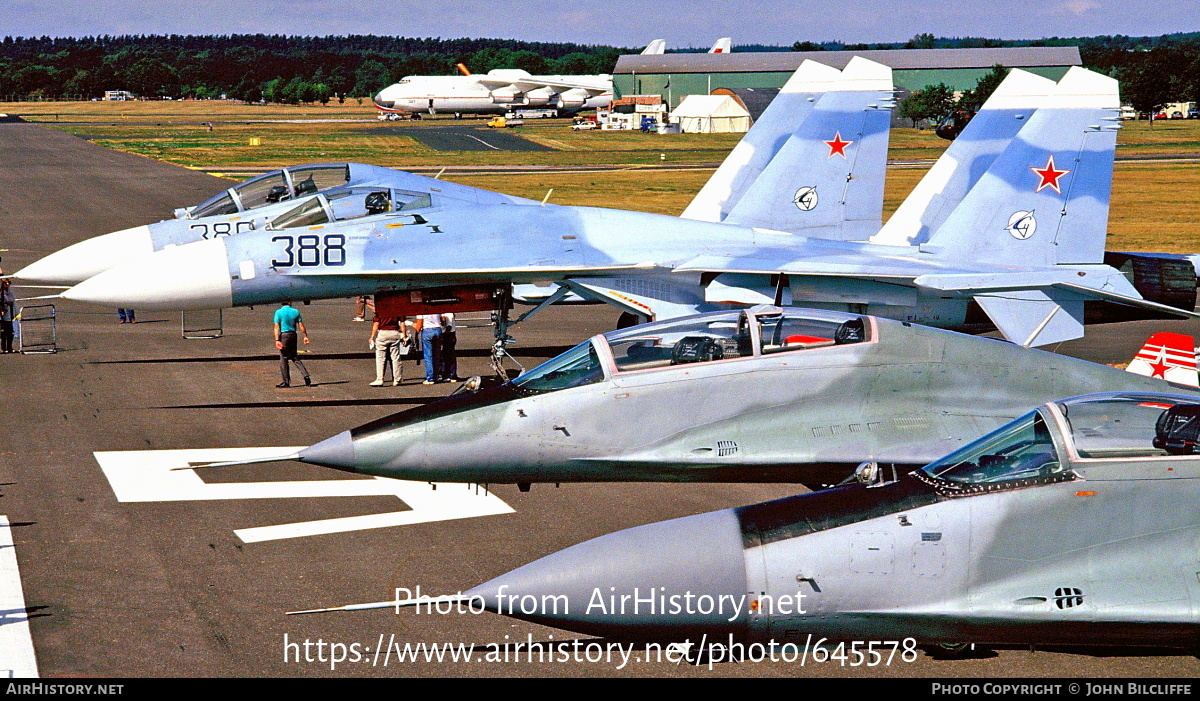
x: 1023, y: 250
x: 1072, y: 525
x: 340, y: 188
x: 249, y: 205
x: 759, y: 395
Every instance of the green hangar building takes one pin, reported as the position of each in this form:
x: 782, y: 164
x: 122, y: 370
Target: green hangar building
x: 674, y: 76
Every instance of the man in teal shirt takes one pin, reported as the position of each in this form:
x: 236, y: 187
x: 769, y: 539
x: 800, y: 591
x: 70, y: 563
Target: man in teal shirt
x: 287, y: 322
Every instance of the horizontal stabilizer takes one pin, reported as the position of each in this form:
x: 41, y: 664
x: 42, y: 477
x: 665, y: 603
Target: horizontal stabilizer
x: 958, y: 282
x: 645, y: 299
x: 1126, y: 300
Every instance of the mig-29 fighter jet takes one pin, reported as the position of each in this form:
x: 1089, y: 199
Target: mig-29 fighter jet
x: 1072, y: 525
x: 759, y: 395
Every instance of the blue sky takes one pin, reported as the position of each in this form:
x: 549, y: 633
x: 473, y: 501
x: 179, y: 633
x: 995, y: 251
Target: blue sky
x: 618, y: 22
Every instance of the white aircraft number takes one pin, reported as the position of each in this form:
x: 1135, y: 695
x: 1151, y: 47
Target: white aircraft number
x: 224, y: 228
x: 308, y: 250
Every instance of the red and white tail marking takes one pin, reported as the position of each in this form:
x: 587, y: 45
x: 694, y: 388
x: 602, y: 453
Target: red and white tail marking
x: 1167, y: 356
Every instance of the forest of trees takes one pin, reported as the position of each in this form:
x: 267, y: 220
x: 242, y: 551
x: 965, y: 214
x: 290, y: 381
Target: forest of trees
x: 1152, y: 70
x: 277, y: 68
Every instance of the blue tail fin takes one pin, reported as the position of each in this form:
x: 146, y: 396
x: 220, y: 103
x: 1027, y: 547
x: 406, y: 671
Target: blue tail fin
x: 747, y: 160
x: 1044, y: 200
x: 827, y: 179
x: 966, y: 159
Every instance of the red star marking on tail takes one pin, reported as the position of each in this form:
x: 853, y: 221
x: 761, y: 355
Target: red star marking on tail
x: 1049, y: 175
x: 1159, y: 367
x: 837, y: 145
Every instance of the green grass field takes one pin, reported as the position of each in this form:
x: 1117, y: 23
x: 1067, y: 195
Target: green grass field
x: 1155, y: 206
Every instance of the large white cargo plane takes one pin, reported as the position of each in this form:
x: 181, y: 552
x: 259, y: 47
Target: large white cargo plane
x: 503, y: 89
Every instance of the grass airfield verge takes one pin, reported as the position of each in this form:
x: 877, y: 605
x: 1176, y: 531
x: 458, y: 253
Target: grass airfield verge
x: 1155, y: 205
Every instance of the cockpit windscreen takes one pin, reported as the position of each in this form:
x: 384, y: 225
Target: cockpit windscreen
x: 1020, y: 450
x: 578, y: 366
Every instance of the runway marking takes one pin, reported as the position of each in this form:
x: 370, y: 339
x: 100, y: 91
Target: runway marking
x: 17, y: 657
x: 148, y: 476
x: 494, y: 148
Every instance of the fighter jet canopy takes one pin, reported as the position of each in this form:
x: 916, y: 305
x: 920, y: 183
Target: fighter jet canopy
x: 344, y: 204
x: 276, y: 186
x: 703, y: 338
x: 1047, y: 445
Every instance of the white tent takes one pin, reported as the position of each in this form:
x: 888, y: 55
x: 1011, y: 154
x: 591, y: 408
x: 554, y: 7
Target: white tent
x: 705, y: 114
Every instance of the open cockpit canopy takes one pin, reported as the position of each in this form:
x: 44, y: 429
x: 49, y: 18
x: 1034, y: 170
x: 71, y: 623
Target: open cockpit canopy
x: 347, y: 203
x: 274, y: 187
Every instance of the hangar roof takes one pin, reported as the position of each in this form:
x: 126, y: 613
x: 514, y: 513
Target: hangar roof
x: 900, y: 59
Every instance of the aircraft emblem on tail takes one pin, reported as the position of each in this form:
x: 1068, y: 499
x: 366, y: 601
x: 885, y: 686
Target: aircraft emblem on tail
x: 806, y: 198
x: 1022, y: 225
x: 1167, y: 356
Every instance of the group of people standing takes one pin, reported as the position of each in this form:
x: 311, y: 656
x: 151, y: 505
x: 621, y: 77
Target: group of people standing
x: 391, y: 336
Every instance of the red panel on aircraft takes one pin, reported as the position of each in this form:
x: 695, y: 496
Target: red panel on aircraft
x: 435, y: 300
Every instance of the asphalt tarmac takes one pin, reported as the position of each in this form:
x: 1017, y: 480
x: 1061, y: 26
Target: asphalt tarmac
x: 462, y: 138
x: 160, y: 584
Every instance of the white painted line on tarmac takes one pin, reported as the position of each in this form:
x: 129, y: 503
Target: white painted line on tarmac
x: 494, y: 148
x: 17, y: 658
x: 151, y: 476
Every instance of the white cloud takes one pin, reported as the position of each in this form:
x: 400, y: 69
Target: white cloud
x: 1079, y: 7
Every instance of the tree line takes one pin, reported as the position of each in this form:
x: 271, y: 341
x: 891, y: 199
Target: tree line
x: 1153, y: 71
x: 276, y: 68
x: 271, y: 67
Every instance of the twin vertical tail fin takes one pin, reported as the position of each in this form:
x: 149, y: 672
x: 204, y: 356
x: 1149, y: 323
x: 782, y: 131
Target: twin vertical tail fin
x: 1169, y: 356
x: 967, y: 158
x: 826, y: 180
x: 754, y: 152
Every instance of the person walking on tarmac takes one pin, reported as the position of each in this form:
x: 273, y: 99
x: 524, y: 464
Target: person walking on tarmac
x: 287, y: 322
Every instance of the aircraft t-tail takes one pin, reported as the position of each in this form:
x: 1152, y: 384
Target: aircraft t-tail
x: 759, y: 395
x: 1071, y: 525
x: 1007, y: 256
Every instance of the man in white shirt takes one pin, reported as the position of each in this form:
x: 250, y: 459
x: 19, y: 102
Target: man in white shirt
x: 431, y: 344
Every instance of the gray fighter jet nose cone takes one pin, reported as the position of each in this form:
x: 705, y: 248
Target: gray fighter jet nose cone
x: 336, y: 452
x: 654, y: 582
